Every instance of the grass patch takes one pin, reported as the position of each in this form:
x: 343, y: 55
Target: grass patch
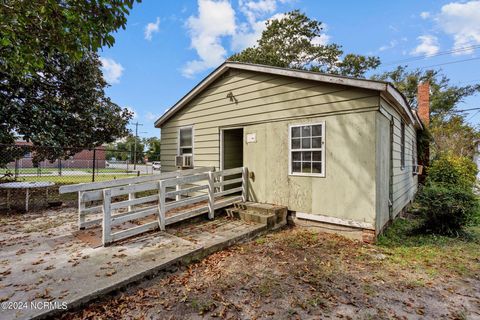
x: 432, y: 253
x: 76, y: 179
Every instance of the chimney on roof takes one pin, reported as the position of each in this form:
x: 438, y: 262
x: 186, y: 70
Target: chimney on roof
x: 423, y: 98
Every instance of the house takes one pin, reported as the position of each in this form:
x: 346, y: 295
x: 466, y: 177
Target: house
x: 339, y: 152
x: 83, y: 158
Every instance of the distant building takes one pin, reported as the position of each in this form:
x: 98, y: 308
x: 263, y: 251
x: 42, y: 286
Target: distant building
x: 82, y: 159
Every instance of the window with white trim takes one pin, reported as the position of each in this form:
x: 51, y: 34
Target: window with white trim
x: 307, y: 143
x: 185, y: 141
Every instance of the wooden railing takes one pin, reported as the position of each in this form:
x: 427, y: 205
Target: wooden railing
x: 89, y: 193
x: 176, y: 198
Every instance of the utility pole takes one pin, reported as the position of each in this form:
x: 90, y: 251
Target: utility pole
x: 135, y: 145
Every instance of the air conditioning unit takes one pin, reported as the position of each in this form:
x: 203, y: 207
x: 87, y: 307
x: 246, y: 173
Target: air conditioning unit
x: 184, y: 161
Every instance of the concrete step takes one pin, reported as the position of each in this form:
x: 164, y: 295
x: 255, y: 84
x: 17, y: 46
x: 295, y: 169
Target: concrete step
x: 274, y: 216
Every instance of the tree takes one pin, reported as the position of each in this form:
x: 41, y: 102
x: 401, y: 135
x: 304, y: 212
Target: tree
x: 124, y: 149
x: 51, y: 85
x: 448, y: 127
x: 153, y: 152
x: 444, y: 97
x: 32, y: 31
x: 62, y: 108
x: 294, y: 42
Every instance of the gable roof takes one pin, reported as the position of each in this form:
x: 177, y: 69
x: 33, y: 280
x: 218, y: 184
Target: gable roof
x: 383, y: 87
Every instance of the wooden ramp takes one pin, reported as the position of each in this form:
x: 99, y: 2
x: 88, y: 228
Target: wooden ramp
x: 168, y: 198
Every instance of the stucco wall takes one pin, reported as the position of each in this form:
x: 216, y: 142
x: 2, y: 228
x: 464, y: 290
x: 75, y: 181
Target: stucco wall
x: 348, y: 189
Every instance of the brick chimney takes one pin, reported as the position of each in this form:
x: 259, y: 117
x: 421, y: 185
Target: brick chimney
x: 423, y: 98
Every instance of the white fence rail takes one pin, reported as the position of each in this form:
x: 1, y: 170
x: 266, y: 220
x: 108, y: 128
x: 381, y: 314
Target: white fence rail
x: 93, y: 192
x: 178, y: 196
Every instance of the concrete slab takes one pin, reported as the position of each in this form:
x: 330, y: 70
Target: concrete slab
x: 46, y: 271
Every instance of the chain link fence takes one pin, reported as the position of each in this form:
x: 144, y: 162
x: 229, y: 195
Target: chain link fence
x: 28, y: 182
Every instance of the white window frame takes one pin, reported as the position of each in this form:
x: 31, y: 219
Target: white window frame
x: 322, y: 149
x: 193, y: 142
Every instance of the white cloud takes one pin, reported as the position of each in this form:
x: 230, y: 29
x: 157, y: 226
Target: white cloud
x: 151, y: 116
x: 215, y: 19
x: 428, y: 46
x: 425, y: 15
x: 112, y: 70
x: 462, y: 21
x: 216, y: 23
x: 151, y: 28
x: 392, y: 44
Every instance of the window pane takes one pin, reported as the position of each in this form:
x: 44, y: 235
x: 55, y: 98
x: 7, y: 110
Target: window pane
x: 317, y: 142
x: 306, y: 167
x: 186, y: 151
x: 295, y: 143
x: 305, y: 143
x: 317, y: 130
x: 186, y: 137
x: 296, y: 132
x: 316, y: 167
x: 296, y: 166
x: 317, y: 156
x: 296, y: 156
x: 306, y: 131
x: 306, y: 156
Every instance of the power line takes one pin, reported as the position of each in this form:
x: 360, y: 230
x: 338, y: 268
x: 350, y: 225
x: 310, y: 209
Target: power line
x: 426, y: 56
x: 450, y: 62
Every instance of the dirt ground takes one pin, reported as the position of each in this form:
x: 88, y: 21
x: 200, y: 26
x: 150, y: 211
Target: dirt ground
x: 299, y: 274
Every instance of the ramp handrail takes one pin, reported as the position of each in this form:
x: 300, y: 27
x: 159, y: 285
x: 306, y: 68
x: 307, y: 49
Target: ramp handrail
x: 169, y: 197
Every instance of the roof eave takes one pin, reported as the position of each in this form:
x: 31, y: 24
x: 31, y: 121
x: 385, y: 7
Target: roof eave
x: 340, y: 80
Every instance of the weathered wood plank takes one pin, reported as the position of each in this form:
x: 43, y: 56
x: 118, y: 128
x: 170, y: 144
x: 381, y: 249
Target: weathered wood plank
x: 161, y: 205
x: 228, y: 172
x: 211, y: 195
x: 135, y: 201
x: 185, y: 202
x: 134, y: 231
x: 107, y: 228
x: 139, y: 214
x: 229, y: 191
x: 85, y: 211
x: 222, y: 204
x: 245, y: 184
x: 184, y: 191
x: 226, y: 182
x: 185, y: 179
x: 186, y: 215
x: 126, y: 181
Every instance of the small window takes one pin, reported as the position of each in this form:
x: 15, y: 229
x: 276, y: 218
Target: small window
x: 185, y: 141
x: 402, y: 146
x: 307, y: 154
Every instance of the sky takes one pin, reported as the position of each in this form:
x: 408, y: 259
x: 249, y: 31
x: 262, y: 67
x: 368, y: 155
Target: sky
x: 170, y: 46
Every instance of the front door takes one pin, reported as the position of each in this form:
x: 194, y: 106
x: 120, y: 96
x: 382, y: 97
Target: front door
x: 231, y: 152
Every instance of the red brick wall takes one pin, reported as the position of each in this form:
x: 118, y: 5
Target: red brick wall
x: 423, y: 97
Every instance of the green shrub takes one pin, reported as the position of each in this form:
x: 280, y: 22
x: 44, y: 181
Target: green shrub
x: 453, y: 170
x: 447, y: 208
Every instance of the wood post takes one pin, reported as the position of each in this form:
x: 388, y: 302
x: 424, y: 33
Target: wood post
x: 177, y: 188
x: 81, y: 214
x: 244, y: 184
x: 161, y: 205
x: 131, y: 196
x: 211, y: 195
x: 107, y: 217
